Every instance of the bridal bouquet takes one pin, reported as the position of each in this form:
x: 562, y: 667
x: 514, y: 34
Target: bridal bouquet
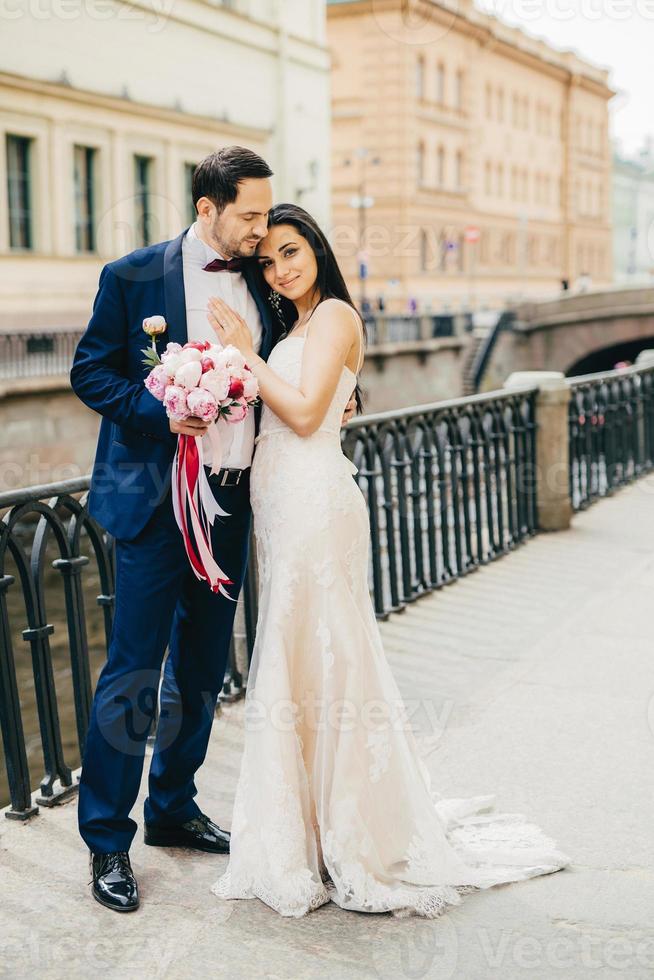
x: 208, y: 382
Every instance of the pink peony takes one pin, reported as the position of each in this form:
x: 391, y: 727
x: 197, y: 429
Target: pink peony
x: 156, y: 382
x: 202, y: 404
x: 188, y: 375
x: 250, y: 387
x: 238, y: 411
x: 217, y: 382
x: 175, y: 402
x: 207, y: 364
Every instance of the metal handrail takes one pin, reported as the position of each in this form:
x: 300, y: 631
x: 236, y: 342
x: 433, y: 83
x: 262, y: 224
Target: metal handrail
x: 611, y: 431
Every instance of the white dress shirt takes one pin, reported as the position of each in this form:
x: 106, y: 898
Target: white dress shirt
x: 237, y: 438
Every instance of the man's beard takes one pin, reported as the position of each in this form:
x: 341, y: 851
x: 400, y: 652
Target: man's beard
x: 232, y: 249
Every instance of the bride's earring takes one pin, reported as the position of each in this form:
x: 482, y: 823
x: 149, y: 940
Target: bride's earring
x: 275, y: 300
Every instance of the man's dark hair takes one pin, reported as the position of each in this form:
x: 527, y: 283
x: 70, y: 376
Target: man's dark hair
x: 218, y: 175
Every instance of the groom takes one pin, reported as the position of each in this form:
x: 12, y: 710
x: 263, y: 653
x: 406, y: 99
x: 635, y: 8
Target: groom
x: 159, y: 603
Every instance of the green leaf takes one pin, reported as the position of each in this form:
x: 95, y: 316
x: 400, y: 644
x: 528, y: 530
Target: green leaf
x: 151, y: 358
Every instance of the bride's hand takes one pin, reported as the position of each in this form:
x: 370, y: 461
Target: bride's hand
x: 230, y: 327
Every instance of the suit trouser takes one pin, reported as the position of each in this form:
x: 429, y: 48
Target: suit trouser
x: 160, y: 603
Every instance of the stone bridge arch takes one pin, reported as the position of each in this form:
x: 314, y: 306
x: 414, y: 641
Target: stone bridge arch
x: 576, y: 334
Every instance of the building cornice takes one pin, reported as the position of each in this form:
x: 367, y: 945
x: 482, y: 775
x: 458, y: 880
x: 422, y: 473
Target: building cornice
x: 240, y: 28
x: 492, y: 34
x: 57, y: 90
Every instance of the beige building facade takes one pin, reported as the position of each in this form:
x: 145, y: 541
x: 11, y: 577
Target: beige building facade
x: 105, y: 107
x: 471, y: 163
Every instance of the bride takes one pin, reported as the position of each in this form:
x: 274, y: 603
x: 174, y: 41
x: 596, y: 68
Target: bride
x: 333, y: 800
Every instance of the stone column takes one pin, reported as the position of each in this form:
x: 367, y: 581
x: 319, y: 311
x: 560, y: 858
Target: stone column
x: 552, y: 445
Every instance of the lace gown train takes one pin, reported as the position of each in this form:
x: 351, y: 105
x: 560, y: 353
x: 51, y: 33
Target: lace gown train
x: 334, y: 801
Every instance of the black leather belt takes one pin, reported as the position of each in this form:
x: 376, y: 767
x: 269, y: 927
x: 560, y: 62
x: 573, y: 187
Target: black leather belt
x: 229, y: 478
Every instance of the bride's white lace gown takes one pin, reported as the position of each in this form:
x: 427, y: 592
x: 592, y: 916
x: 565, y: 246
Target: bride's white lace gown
x: 333, y: 800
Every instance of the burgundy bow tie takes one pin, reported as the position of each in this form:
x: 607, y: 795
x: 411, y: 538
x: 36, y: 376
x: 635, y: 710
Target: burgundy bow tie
x: 224, y: 265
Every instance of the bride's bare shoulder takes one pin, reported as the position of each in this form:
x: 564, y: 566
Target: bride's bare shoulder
x: 334, y: 310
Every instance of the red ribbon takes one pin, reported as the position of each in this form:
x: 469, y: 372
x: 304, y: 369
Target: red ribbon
x: 190, y: 499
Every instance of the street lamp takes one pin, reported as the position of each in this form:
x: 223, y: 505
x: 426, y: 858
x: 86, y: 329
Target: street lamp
x: 361, y: 202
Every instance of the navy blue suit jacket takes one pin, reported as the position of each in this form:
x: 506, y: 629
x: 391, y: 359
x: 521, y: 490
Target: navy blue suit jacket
x: 135, y: 448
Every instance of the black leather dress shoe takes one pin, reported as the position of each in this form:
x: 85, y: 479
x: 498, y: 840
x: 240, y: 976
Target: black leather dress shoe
x: 200, y: 834
x: 114, y: 884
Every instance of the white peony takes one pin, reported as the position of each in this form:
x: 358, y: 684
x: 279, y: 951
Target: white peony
x: 217, y: 382
x: 190, y: 354
x: 170, y: 364
x: 235, y: 359
x: 187, y: 375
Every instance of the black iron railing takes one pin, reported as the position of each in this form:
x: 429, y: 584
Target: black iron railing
x: 37, y: 355
x: 449, y: 487
x: 611, y: 431
x: 42, y: 520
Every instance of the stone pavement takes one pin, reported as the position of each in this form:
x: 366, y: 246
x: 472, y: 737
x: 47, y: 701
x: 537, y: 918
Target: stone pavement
x: 535, y: 681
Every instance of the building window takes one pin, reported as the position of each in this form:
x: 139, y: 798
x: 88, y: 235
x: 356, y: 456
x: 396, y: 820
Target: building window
x: 440, y: 83
x: 84, y: 179
x: 487, y: 185
x: 458, y: 169
x: 489, y: 102
x: 424, y: 251
x: 19, y: 191
x: 500, y: 105
x: 142, y: 200
x: 440, y: 166
x: 191, y: 213
x: 420, y: 78
x: 442, y: 252
x: 458, y: 91
x: 421, y: 164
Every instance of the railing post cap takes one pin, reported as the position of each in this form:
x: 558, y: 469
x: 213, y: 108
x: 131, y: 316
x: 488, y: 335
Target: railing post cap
x: 645, y: 357
x: 542, y: 379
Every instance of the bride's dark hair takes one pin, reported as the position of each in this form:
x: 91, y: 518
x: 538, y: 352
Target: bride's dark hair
x: 330, y: 283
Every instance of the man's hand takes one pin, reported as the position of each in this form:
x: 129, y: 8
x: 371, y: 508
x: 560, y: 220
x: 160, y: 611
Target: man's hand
x: 189, y: 427
x: 350, y: 410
